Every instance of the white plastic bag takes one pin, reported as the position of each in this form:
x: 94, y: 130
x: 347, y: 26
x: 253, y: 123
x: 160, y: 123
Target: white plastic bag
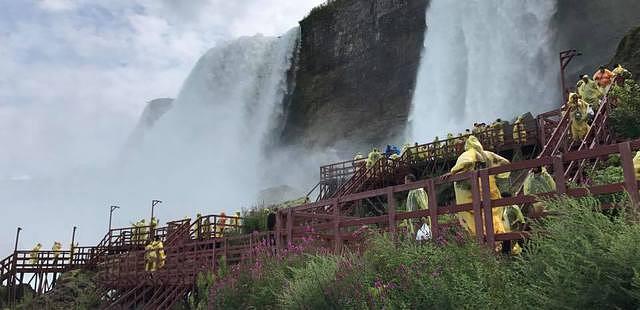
x: 424, y: 233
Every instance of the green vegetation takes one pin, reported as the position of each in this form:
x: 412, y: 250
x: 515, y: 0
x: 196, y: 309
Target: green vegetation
x: 624, y: 118
x: 199, y: 298
x: 74, y: 289
x: 255, y: 218
x: 581, y: 258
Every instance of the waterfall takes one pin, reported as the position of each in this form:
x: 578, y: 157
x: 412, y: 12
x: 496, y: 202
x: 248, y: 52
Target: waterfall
x: 483, y: 60
x: 207, y: 151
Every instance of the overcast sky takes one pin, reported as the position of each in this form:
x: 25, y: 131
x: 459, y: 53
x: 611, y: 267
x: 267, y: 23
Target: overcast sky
x: 76, y: 74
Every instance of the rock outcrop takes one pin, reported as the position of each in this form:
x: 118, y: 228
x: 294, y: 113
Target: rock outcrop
x: 595, y: 28
x: 628, y: 53
x: 154, y: 110
x: 357, y: 71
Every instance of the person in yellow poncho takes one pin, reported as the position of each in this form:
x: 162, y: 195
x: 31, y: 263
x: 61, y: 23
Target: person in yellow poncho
x: 538, y: 181
x: 578, y: 110
x: 154, y: 255
x: 621, y: 74
x: 373, y: 157
x: 416, y: 200
x: 56, y: 248
x: 636, y: 165
x: 498, y: 131
x: 589, y: 91
x: 519, y: 131
x: 475, y: 157
x: 35, y: 253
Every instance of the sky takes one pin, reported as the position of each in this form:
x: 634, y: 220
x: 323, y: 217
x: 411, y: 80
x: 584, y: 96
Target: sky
x: 76, y: 74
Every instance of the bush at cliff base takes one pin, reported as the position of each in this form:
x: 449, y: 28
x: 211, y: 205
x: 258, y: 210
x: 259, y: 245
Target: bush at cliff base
x: 580, y: 258
x: 624, y: 118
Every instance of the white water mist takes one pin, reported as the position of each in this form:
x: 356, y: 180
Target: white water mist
x: 483, y: 59
x: 206, y: 152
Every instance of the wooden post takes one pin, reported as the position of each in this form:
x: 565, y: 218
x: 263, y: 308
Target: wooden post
x: 630, y: 182
x: 558, y: 174
x: 486, y: 207
x: 477, y: 210
x: 337, y: 241
x: 289, y: 227
x: 391, y: 205
x: 433, y: 208
x: 278, y: 230
x: 213, y: 263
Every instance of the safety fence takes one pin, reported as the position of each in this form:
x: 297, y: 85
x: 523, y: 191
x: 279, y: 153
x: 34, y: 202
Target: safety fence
x: 350, y: 176
x: 293, y: 222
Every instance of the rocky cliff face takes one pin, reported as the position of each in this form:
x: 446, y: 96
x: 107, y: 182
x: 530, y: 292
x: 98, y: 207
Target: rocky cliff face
x: 595, y: 28
x: 356, y: 74
x: 155, y: 109
x: 628, y: 53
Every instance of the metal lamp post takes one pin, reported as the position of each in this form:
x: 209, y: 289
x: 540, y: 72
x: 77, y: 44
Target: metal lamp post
x: 153, y: 205
x: 113, y: 208
x: 565, y: 59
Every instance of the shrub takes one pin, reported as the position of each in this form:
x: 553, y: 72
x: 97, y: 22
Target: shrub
x: 582, y: 259
x: 624, y: 118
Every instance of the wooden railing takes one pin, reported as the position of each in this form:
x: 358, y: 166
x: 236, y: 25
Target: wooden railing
x: 340, y: 228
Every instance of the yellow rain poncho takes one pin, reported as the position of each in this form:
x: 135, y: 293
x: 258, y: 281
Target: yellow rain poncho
x: 512, y: 217
x: 589, y: 91
x: 374, y: 156
x: 416, y: 200
x: 475, y: 157
x: 34, y: 253
x: 497, y: 129
x: 578, y: 110
x: 153, y: 223
x: 519, y: 131
x: 636, y: 165
x: 154, y: 256
x: 394, y: 156
x: 622, y: 72
x: 539, y: 183
x: 56, y: 248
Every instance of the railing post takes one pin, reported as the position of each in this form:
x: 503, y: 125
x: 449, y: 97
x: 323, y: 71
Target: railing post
x: 278, y: 230
x: 630, y: 182
x: 433, y: 208
x: 391, y: 204
x: 477, y: 210
x: 337, y: 240
x: 486, y: 207
x: 289, y: 227
x: 558, y: 174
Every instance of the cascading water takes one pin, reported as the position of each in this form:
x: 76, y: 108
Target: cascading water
x: 207, y: 151
x: 483, y: 60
